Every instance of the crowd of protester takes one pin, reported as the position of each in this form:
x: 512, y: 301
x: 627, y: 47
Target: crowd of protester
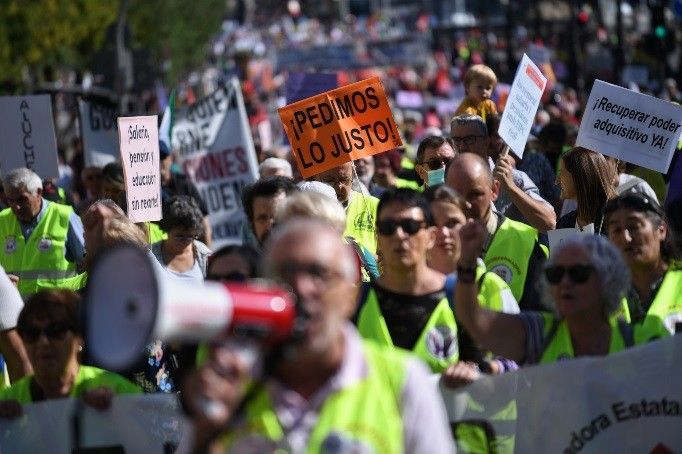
x: 431, y: 258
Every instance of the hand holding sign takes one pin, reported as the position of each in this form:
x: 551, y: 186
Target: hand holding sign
x: 339, y: 126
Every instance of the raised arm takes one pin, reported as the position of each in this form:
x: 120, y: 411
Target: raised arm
x: 501, y: 333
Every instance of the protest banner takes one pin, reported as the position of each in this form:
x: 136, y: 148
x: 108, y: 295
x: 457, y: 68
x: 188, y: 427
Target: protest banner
x: 99, y: 133
x: 521, y: 105
x: 139, y: 138
x: 149, y: 423
x: 630, y: 126
x: 340, y: 125
x: 626, y: 402
x: 27, y: 135
x: 215, y: 150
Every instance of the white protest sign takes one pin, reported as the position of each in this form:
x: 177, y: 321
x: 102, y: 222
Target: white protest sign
x: 557, y: 236
x: 99, y: 132
x: 625, y: 402
x: 522, y: 104
x: 630, y: 126
x: 215, y: 149
x: 139, y: 137
x: 149, y: 423
x: 27, y: 135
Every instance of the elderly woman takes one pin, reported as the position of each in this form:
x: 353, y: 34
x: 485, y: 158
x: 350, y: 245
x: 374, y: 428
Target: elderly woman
x: 182, y: 254
x: 47, y: 326
x: 586, y: 277
x: 635, y: 223
x: 589, y: 179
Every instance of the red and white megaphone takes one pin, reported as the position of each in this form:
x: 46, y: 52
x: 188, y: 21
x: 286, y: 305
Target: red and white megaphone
x: 132, y: 300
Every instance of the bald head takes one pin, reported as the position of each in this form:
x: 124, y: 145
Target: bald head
x: 470, y: 175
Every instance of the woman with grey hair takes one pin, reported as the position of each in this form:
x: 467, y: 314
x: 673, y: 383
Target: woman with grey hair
x: 182, y: 254
x: 587, y: 279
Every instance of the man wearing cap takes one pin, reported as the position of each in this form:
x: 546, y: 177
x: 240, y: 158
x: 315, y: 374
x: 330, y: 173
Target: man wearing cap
x: 42, y: 240
x: 635, y: 223
x: 174, y: 183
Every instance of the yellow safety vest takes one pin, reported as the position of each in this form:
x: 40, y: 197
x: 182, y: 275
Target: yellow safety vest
x: 361, y: 216
x: 39, y: 261
x: 363, y: 417
x: 667, y: 304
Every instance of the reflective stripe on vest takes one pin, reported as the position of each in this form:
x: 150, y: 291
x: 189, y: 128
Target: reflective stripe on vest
x: 361, y: 217
x: 43, y: 254
x: 509, y: 254
x: 437, y: 345
x: 362, y: 417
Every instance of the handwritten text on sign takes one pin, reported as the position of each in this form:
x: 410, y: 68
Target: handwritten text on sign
x: 139, y: 141
x: 340, y: 125
x: 630, y: 126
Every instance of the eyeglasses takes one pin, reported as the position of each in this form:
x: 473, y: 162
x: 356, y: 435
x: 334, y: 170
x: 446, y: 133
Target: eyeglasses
x: 579, y: 274
x: 466, y: 140
x: 409, y: 226
x: 437, y: 163
x: 53, y: 331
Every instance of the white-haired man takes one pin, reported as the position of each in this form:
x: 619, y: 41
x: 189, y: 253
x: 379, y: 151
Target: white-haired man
x: 41, y: 241
x: 331, y: 391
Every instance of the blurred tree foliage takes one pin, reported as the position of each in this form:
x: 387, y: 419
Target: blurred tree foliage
x: 40, y: 35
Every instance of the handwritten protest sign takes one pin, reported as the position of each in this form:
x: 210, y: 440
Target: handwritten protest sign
x: 521, y: 106
x: 215, y: 149
x: 340, y: 125
x: 630, y: 126
x: 27, y: 135
x: 100, y: 136
x: 139, y: 138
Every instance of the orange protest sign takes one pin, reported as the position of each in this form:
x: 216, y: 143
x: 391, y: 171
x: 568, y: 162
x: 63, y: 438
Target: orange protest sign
x: 340, y: 125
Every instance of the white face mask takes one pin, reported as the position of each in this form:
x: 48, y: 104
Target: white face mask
x: 435, y: 177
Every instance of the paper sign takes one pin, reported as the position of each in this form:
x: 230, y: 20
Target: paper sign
x: 521, y: 106
x: 213, y: 140
x: 340, y: 125
x: 557, y: 236
x: 99, y: 132
x: 630, y: 126
x: 139, y: 138
x: 27, y: 135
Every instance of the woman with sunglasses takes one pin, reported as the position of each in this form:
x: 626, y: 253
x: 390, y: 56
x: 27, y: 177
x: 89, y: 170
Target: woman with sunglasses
x: 407, y: 306
x: 588, y: 178
x: 636, y: 224
x: 182, y: 254
x: 47, y: 326
x: 586, y: 278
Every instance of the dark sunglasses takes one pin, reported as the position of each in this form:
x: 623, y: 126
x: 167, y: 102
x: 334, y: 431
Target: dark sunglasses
x: 437, y: 163
x: 390, y: 226
x: 53, y: 331
x: 579, y: 274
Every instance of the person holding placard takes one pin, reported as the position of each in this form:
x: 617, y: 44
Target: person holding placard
x: 512, y: 249
x: 589, y: 178
x: 42, y: 240
x: 360, y: 208
x: 636, y: 224
x: 518, y: 198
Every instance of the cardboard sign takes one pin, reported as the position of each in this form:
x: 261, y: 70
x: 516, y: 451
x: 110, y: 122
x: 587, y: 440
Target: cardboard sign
x: 521, y: 105
x: 99, y: 132
x: 339, y: 126
x: 215, y: 150
x: 27, y: 135
x: 630, y: 126
x: 139, y: 138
